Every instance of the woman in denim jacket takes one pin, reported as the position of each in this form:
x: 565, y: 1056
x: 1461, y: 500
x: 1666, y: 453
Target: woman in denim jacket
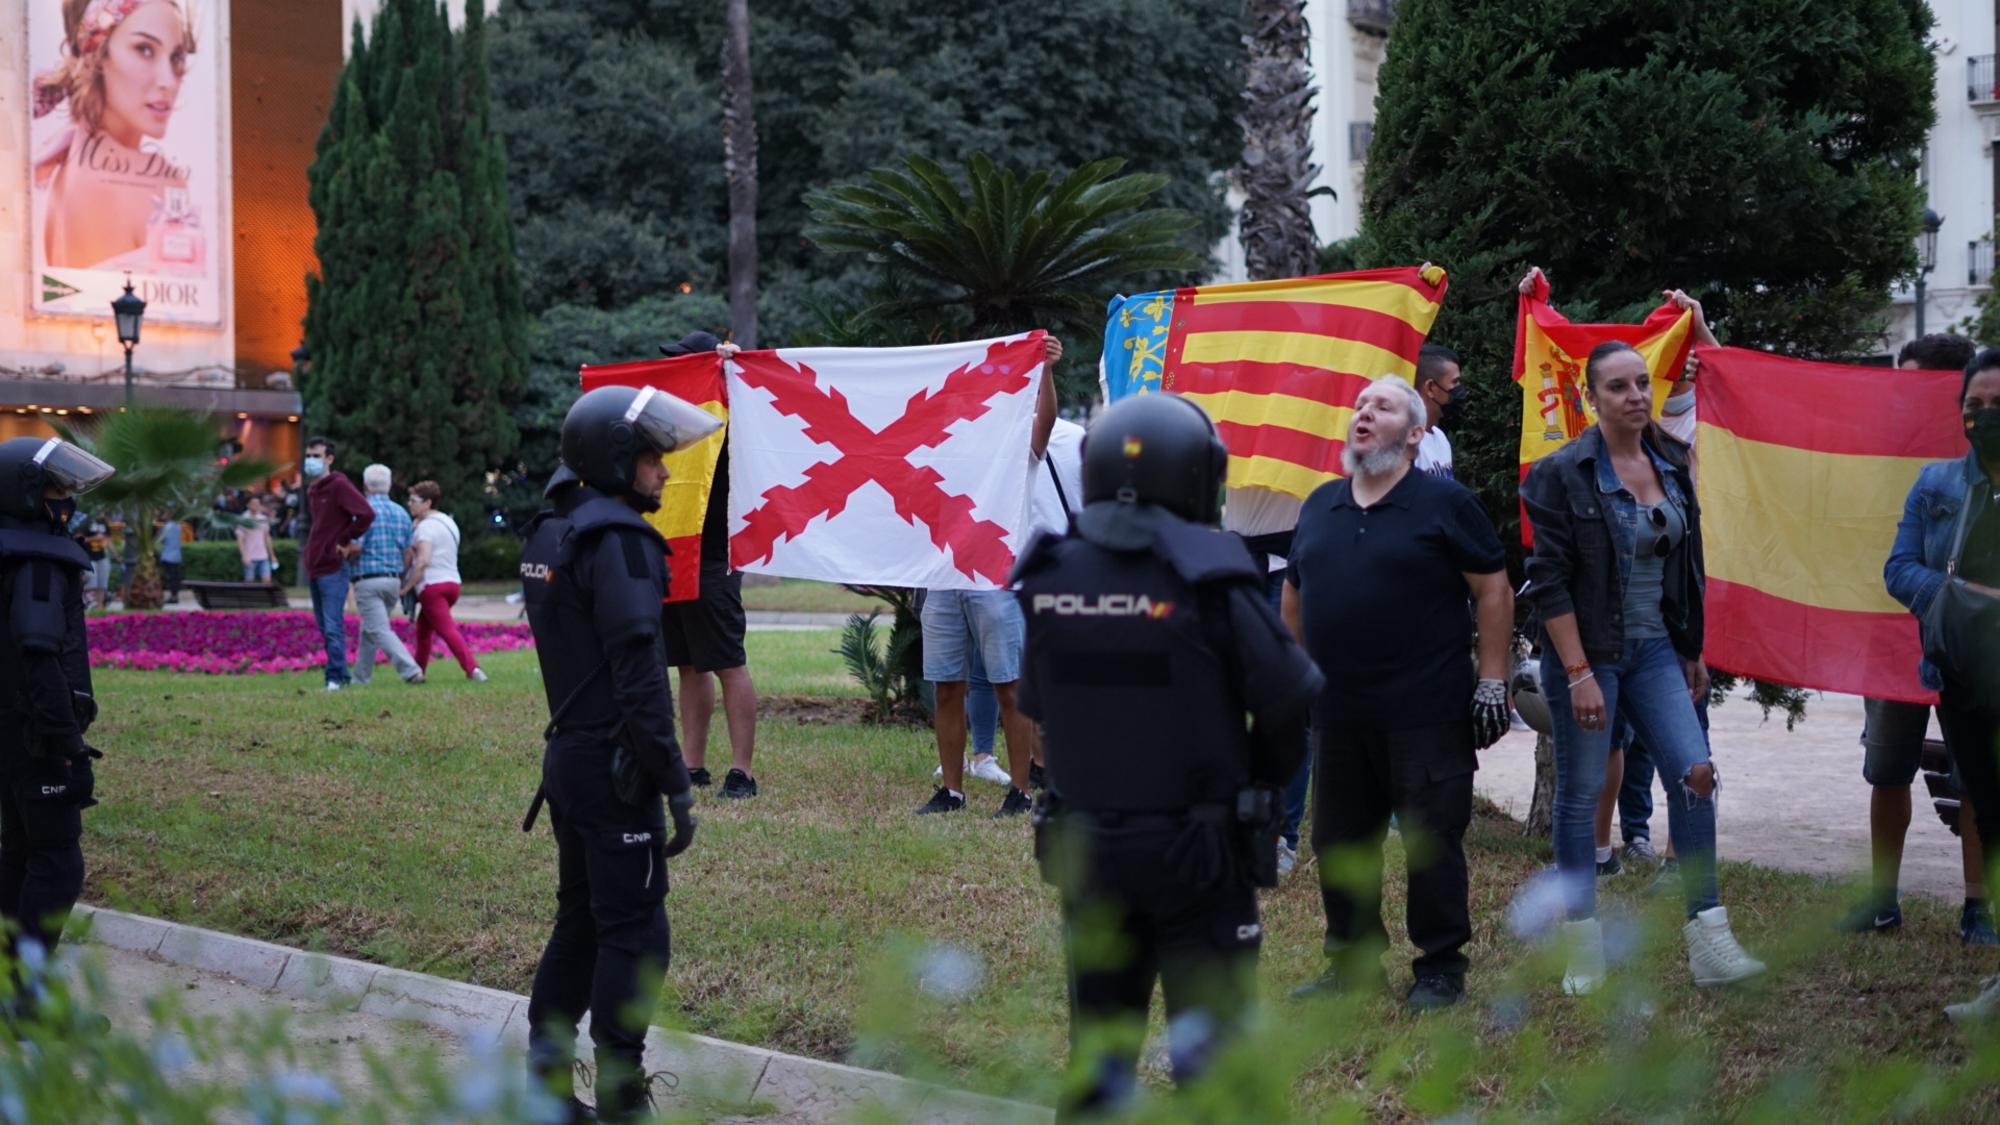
x: 1616, y: 578
x: 1915, y: 573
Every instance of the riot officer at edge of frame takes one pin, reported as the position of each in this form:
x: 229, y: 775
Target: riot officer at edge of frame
x: 1149, y: 643
x: 593, y: 574
x: 46, y: 706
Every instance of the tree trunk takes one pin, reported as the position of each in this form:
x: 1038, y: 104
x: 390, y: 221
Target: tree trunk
x: 1541, y: 810
x: 1277, y: 119
x: 739, y: 166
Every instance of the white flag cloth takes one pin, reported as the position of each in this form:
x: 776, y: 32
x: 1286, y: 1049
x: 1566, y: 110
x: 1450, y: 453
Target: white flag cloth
x: 883, y: 466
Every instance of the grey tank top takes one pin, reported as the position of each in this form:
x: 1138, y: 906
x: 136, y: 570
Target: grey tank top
x: 1646, y: 589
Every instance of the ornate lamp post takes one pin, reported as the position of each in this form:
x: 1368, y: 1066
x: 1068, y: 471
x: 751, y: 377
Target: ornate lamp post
x: 1926, y: 259
x: 129, y: 310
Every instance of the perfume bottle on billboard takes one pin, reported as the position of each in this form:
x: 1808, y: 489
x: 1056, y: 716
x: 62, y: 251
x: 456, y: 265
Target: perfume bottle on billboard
x: 178, y: 244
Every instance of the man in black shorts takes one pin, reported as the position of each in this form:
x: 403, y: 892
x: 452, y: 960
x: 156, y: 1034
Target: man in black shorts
x: 705, y: 635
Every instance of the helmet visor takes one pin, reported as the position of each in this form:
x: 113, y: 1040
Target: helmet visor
x: 66, y: 466
x: 667, y: 423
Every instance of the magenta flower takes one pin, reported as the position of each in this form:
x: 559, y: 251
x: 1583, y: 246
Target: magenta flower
x: 223, y: 644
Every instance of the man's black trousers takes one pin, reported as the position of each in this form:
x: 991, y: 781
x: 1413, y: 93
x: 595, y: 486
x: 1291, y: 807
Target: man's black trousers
x: 610, y: 934
x: 41, y: 853
x: 1424, y: 776
x: 1133, y: 920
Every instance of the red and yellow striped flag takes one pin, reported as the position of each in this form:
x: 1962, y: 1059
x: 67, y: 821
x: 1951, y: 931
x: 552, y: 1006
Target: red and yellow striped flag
x: 1803, y: 471
x: 1276, y: 364
x: 690, y: 471
x: 1549, y: 353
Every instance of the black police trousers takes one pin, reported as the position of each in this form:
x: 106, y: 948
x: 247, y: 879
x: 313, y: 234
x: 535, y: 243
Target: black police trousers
x: 1130, y: 921
x: 610, y: 935
x: 1424, y: 776
x: 41, y: 853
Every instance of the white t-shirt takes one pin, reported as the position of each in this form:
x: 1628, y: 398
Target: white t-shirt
x: 1045, y: 506
x: 1434, y: 454
x: 1680, y: 426
x: 441, y: 533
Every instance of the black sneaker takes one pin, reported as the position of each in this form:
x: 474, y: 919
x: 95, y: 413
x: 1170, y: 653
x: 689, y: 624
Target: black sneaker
x: 1038, y: 778
x: 1609, y: 867
x: 942, y: 801
x: 1872, y: 917
x: 1016, y: 804
x: 1640, y: 851
x: 1975, y: 925
x: 1434, y: 991
x: 699, y: 776
x: 737, y: 785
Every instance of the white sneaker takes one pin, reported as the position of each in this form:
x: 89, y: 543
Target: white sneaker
x: 1984, y: 1006
x: 986, y: 769
x: 479, y: 675
x: 1585, y: 941
x: 1288, y: 859
x: 333, y: 685
x: 1713, y: 955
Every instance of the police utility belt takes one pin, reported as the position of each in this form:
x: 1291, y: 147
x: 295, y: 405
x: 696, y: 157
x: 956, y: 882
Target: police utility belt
x: 629, y: 779
x: 1213, y: 844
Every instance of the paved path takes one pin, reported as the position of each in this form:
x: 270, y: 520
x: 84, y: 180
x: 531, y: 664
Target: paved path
x: 496, y: 607
x: 1793, y: 800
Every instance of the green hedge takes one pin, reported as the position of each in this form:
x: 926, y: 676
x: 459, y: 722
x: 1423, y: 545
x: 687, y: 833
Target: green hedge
x: 489, y: 558
x: 217, y: 561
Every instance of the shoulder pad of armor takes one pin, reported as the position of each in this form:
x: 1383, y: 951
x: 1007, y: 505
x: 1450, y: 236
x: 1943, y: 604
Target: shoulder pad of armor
x: 1203, y: 554
x: 596, y: 516
x: 1041, y: 553
x: 18, y: 544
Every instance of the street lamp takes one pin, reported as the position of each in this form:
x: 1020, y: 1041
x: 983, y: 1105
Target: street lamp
x: 129, y: 310
x: 1926, y: 258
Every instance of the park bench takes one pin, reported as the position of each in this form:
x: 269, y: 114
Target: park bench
x: 1937, y: 779
x: 238, y: 595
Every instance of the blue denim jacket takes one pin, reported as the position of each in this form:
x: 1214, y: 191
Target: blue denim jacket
x: 1915, y: 570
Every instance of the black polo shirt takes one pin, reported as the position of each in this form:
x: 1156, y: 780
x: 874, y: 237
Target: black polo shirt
x: 1382, y: 597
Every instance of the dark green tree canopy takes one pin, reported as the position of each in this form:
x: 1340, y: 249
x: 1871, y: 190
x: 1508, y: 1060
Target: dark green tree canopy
x: 415, y: 321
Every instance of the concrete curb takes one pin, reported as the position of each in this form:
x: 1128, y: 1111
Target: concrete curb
x: 710, y: 1073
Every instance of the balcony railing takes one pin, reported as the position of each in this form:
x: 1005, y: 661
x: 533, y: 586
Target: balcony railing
x: 1982, y: 84
x: 1360, y: 135
x: 1372, y: 15
x: 1979, y: 262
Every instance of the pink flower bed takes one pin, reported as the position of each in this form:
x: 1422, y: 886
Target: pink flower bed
x: 226, y: 644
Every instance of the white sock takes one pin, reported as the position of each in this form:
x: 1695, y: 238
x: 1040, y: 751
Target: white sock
x: 1603, y: 855
x: 956, y: 793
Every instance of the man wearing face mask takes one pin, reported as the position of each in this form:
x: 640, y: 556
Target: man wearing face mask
x: 1441, y: 384
x: 45, y: 699
x: 340, y: 517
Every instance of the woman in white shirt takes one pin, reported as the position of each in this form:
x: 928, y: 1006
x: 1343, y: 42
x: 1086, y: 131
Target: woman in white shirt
x: 433, y: 574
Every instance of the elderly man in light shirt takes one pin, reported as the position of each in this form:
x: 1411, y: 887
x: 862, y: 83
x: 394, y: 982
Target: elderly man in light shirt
x: 378, y: 580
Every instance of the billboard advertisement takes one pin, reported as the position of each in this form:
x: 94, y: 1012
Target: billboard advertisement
x: 127, y: 157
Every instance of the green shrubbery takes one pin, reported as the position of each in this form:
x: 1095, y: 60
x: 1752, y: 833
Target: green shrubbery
x: 213, y: 561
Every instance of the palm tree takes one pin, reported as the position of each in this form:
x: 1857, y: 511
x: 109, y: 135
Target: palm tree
x: 167, y: 466
x: 739, y: 166
x: 1278, y: 171
x: 1006, y: 253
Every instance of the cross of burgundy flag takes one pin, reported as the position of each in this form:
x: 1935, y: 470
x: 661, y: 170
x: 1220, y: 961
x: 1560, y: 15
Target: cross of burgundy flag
x: 884, y: 466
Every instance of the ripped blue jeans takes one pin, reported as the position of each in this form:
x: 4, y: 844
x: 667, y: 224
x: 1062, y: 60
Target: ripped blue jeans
x: 1647, y: 689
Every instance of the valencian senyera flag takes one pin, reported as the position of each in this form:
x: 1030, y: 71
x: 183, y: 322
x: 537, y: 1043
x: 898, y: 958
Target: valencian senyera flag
x: 1276, y: 364
x: 690, y: 471
x: 1802, y: 471
x: 884, y: 466
x: 1549, y: 354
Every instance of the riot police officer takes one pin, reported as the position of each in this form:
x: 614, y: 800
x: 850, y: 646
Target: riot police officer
x: 1150, y: 641
x: 593, y: 574
x: 46, y: 706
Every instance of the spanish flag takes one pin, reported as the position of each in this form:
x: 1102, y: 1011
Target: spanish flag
x: 1549, y: 354
x: 690, y: 471
x: 1276, y: 364
x: 1803, y: 469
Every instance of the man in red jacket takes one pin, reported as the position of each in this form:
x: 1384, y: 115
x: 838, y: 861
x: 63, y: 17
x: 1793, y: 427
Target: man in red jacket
x: 340, y: 516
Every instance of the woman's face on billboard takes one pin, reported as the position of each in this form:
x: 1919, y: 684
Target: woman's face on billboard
x: 142, y: 72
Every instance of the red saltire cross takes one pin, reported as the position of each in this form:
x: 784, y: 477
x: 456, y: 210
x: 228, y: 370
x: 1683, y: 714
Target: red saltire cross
x: 978, y: 548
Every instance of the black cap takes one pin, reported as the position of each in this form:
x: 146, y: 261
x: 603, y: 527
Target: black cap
x: 691, y: 344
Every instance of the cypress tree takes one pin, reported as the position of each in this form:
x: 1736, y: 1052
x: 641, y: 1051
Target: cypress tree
x: 415, y: 320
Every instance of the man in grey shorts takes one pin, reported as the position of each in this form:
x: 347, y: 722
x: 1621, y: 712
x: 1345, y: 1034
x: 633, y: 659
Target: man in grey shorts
x: 1892, y: 738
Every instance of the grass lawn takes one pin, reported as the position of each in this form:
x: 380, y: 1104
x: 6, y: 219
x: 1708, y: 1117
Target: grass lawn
x: 383, y: 823
x: 797, y: 595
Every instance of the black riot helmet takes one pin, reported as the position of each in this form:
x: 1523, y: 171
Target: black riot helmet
x: 608, y: 428
x: 29, y: 465
x: 1156, y: 449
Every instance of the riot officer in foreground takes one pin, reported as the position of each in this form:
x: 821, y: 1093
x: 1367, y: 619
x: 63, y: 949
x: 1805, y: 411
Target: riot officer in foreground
x: 45, y: 702
x: 593, y: 573
x: 1149, y: 643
